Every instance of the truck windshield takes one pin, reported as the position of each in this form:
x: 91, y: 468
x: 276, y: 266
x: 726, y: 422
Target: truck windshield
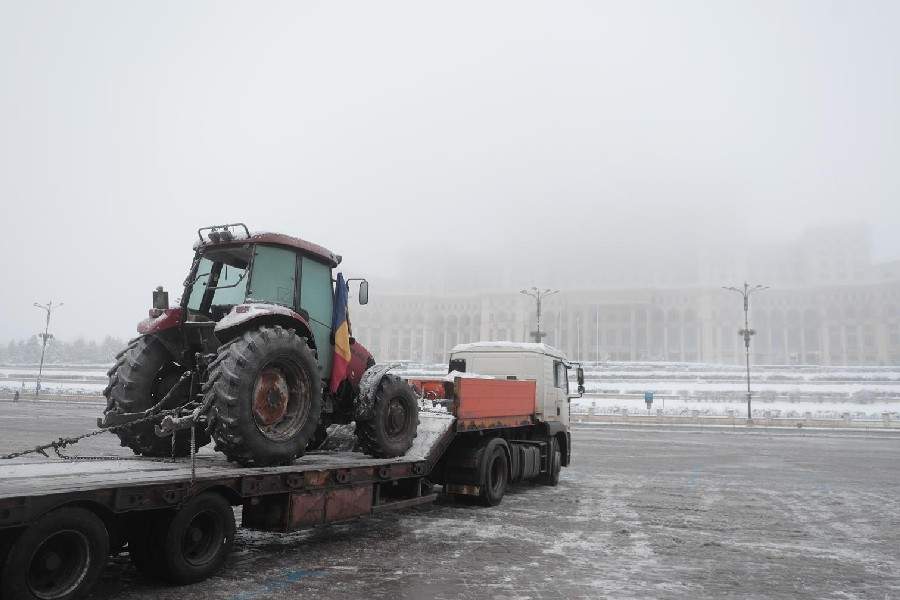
x: 224, y: 270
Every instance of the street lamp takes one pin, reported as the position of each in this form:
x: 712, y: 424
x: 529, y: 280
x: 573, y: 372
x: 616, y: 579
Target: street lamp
x: 746, y: 332
x: 538, y: 296
x: 45, y: 337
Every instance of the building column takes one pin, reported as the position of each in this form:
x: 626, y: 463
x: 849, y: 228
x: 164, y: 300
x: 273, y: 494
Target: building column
x: 665, y: 323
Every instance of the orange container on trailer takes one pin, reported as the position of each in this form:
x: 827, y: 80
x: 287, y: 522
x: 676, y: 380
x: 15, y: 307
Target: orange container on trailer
x: 491, y: 403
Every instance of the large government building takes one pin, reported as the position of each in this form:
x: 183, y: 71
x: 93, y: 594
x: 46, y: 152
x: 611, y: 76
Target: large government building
x: 828, y: 303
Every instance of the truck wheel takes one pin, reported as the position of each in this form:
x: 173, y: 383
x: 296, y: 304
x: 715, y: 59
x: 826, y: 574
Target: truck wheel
x: 143, y: 374
x: 191, y: 544
x: 395, y: 418
x: 554, y: 463
x: 60, y: 557
x: 266, y: 397
x: 496, y: 475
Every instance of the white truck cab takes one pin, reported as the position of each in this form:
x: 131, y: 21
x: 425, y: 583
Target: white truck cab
x: 544, y: 364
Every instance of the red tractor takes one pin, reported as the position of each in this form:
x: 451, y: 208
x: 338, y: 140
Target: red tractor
x: 246, y: 359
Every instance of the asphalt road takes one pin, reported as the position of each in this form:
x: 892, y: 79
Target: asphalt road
x: 642, y: 513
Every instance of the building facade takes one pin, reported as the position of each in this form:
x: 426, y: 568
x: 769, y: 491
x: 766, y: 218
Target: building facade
x: 828, y: 305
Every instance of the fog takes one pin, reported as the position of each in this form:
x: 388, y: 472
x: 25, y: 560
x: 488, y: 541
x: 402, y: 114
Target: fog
x: 430, y: 143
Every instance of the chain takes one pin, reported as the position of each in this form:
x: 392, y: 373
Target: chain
x: 193, y: 453
x: 62, y: 442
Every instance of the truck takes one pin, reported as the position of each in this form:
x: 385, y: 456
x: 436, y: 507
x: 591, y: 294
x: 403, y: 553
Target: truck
x: 499, y: 416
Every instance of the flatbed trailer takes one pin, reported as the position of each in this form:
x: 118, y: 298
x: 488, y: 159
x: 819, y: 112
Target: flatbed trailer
x: 50, y: 509
x: 116, y: 486
x: 60, y: 519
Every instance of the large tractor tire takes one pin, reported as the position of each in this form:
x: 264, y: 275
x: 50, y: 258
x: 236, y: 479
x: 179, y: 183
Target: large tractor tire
x: 395, y: 418
x: 143, y: 374
x: 266, y: 397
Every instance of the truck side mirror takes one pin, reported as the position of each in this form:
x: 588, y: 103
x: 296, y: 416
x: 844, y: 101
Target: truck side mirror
x: 363, y: 292
x: 579, y: 373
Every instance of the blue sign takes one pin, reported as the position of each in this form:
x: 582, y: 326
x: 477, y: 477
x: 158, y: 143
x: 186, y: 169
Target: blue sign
x: 648, y: 397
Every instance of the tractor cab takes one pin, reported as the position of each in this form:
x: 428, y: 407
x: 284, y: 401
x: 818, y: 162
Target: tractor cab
x: 233, y: 277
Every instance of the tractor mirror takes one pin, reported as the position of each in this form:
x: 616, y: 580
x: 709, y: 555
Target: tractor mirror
x: 579, y: 372
x: 363, y: 292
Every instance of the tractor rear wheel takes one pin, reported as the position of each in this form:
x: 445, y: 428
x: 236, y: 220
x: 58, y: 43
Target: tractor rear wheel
x: 266, y: 396
x: 143, y: 374
x: 395, y: 418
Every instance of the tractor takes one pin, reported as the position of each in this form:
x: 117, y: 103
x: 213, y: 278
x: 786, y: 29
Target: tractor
x: 248, y: 359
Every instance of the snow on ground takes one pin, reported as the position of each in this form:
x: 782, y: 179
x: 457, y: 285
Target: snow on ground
x: 617, y: 387
x: 600, y: 405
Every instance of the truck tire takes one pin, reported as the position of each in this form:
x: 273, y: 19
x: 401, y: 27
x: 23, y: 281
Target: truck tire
x: 189, y: 545
x: 496, y: 473
x: 554, y: 463
x: 59, y: 557
x: 143, y: 374
x: 266, y: 396
x: 395, y: 418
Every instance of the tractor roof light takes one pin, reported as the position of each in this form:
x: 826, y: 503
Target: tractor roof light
x: 215, y: 234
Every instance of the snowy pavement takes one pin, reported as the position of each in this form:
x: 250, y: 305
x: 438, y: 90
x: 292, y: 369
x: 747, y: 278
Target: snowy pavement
x: 641, y: 514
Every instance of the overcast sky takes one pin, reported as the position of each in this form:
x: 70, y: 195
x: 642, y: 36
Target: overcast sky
x: 400, y: 132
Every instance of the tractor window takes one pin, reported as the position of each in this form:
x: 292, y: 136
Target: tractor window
x: 316, y: 297
x: 225, y: 270
x: 199, y: 288
x: 227, y: 295
x: 274, y: 276
x: 316, y: 292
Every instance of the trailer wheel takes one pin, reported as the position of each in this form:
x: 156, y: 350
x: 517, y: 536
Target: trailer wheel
x: 192, y: 543
x: 554, y: 462
x: 395, y: 418
x: 496, y: 475
x: 60, y: 557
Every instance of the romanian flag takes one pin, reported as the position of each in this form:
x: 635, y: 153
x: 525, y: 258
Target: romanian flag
x: 340, y: 327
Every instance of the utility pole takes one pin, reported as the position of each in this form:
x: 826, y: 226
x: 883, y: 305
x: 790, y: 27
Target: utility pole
x: 45, y: 337
x: 746, y: 332
x: 538, y: 296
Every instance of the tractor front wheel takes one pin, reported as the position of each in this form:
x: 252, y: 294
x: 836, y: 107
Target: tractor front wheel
x: 266, y: 396
x: 395, y: 418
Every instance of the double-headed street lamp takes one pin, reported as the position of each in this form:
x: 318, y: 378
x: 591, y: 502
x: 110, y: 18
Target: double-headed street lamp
x: 538, y: 296
x: 746, y: 332
x: 45, y: 337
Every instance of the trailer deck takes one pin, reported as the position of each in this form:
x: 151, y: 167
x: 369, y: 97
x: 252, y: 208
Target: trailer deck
x: 31, y: 487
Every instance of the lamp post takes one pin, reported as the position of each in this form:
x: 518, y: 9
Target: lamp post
x: 746, y: 332
x: 45, y: 337
x: 538, y: 296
